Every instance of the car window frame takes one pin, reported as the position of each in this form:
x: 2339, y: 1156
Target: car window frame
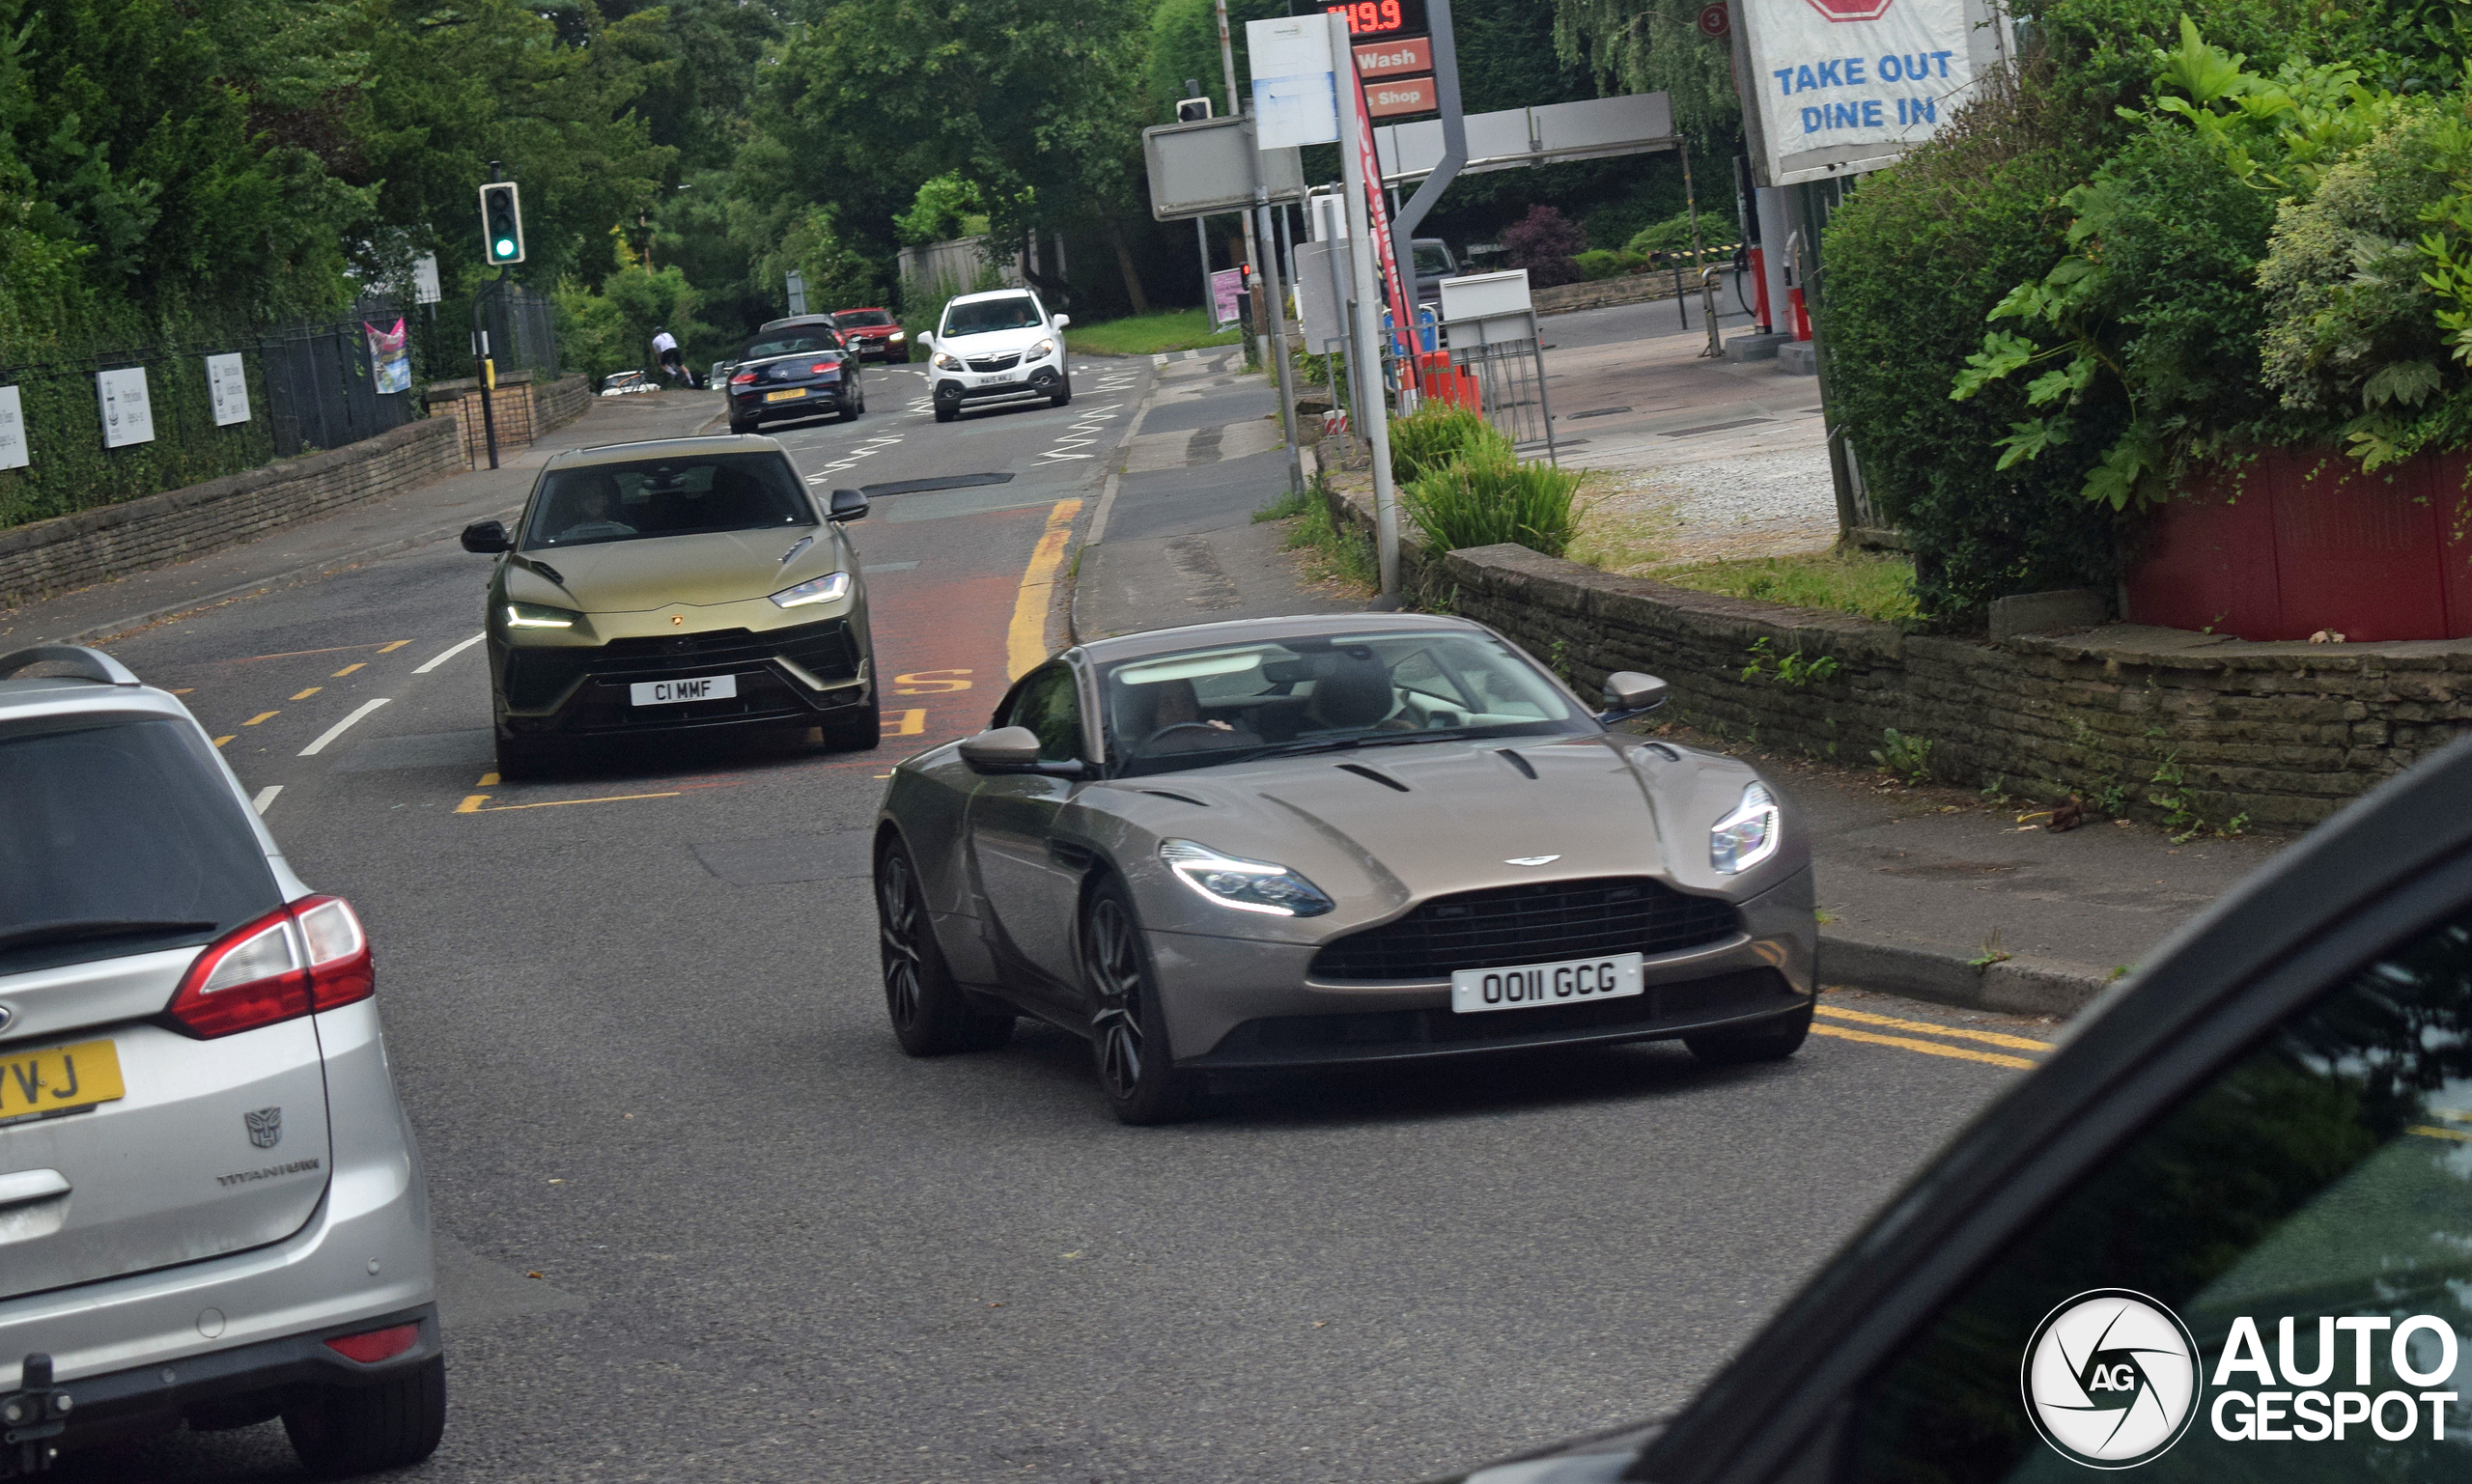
x: 1084, y: 749
x: 2216, y: 989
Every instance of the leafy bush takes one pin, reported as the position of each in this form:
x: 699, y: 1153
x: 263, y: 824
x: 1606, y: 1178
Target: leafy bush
x: 1605, y: 263
x: 1671, y: 236
x: 1440, y: 434
x: 1488, y: 500
x: 1544, y: 243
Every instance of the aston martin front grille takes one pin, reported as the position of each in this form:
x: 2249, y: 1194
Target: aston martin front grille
x: 1542, y: 923
x: 995, y: 362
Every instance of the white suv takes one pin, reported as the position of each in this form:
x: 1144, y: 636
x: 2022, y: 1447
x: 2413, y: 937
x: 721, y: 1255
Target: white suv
x: 210, y: 1207
x: 1001, y: 344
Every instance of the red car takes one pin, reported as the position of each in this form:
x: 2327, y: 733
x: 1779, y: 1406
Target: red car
x: 872, y: 333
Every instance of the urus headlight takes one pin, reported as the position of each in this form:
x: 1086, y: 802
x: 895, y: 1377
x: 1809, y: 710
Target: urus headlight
x: 533, y: 615
x: 947, y: 361
x: 1247, y: 885
x: 1041, y: 352
x: 828, y: 588
x: 1747, y: 836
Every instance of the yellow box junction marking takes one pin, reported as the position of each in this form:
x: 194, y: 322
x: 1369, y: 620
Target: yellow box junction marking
x: 1026, y: 639
x: 929, y: 682
x: 1892, y: 1022
x: 220, y: 740
x: 347, y: 669
x: 260, y: 717
x: 911, y: 722
x: 306, y: 694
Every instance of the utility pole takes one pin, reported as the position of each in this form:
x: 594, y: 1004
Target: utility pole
x: 1236, y: 109
x: 1372, y: 417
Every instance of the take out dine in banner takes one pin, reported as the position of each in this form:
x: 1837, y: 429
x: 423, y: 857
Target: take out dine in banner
x: 1849, y: 85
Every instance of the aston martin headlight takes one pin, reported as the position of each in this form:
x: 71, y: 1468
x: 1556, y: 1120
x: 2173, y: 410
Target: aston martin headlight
x: 1041, y: 352
x: 946, y: 361
x: 831, y: 587
x: 1247, y: 885
x: 533, y: 615
x: 1747, y: 836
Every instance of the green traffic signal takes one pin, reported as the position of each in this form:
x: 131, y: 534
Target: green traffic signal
x: 501, y: 223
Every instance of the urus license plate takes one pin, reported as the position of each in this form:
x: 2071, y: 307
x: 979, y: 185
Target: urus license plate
x: 57, y: 1080
x: 1571, y: 982
x: 673, y: 692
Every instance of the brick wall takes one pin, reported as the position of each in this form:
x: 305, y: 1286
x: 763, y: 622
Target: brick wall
x: 2284, y: 733
x: 92, y: 545
x: 521, y: 408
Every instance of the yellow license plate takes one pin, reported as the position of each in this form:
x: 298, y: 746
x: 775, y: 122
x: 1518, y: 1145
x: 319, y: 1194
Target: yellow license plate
x: 57, y: 1080
x: 795, y: 391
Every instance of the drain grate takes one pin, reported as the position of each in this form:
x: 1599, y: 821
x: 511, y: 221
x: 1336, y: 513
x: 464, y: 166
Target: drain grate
x: 1572, y: 417
x: 1740, y: 422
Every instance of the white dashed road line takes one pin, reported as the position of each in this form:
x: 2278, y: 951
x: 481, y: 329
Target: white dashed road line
x: 345, y: 725
x: 449, y: 655
x: 266, y: 797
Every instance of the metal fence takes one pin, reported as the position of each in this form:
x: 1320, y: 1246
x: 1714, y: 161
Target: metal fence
x: 1510, y: 388
x: 322, y: 385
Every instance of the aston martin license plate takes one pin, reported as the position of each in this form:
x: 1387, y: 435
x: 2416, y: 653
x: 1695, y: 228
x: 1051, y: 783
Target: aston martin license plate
x: 670, y: 692
x: 791, y: 395
x: 1572, y: 982
x: 57, y: 1080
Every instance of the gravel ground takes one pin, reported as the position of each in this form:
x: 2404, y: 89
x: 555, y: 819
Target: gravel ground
x: 1764, y: 504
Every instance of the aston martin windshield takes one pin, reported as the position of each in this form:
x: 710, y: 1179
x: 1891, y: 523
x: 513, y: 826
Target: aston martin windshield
x: 679, y: 496
x: 1204, y: 707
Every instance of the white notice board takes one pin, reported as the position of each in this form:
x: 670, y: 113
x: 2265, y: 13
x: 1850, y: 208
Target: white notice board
x: 13, y: 453
x: 227, y: 389
x: 129, y: 414
x: 1296, y: 99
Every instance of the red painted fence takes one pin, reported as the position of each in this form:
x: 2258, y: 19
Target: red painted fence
x: 2296, y: 541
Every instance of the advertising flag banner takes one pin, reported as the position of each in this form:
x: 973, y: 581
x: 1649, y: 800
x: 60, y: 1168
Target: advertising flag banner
x: 1846, y: 86
x: 1378, y: 220
x: 13, y: 453
x: 128, y: 414
x: 227, y: 389
x: 391, y: 357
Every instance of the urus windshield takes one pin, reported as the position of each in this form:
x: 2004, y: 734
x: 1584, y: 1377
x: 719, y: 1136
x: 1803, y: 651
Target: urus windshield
x: 686, y: 497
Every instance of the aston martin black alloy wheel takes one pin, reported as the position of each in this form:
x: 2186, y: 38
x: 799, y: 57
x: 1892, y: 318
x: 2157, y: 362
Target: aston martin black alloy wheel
x: 930, y: 1014
x: 1127, y: 1041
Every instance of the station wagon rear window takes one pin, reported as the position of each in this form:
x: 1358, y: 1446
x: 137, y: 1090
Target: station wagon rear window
x: 121, y: 839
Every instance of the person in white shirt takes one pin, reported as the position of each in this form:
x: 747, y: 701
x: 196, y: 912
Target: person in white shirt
x: 665, y: 352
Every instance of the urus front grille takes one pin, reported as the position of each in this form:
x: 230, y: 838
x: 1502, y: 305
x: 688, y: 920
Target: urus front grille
x: 995, y: 362
x: 1542, y: 923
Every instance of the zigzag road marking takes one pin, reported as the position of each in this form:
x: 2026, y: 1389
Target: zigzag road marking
x: 1084, y: 432
x: 869, y: 450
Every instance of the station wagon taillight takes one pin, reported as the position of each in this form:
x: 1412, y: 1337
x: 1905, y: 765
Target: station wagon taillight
x: 294, y: 961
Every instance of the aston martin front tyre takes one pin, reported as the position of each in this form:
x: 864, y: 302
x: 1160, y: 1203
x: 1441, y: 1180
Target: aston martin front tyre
x: 1773, y: 1042
x: 1128, y: 1035
x: 931, y: 1016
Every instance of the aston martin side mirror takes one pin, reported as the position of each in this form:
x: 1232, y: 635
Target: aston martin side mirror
x: 849, y: 505
x: 1015, y: 749
x: 487, y: 536
x: 1628, y: 692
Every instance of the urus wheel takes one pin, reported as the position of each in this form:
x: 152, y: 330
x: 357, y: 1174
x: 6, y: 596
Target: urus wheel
x: 1128, y: 1037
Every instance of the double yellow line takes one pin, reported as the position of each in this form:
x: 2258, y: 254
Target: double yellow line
x: 1025, y: 638
x: 1830, y: 1014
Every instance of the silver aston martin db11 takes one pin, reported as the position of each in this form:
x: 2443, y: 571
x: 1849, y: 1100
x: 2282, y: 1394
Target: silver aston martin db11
x: 1311, y: 841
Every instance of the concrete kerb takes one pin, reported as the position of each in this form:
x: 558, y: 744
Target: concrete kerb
x: 2024, y: 985
x: 1104, y: 505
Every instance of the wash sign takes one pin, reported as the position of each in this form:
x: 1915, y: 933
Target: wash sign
x: 1849, y: 85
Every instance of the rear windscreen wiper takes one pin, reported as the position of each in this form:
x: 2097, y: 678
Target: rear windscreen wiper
x: 79, y: 929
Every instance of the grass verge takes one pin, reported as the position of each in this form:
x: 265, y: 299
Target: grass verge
x: 1334, y: 554
x: 1874, y: 586
x: 1174, y: 329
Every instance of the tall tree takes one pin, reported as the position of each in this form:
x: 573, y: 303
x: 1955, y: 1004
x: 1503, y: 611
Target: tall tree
x: 1650, y: 46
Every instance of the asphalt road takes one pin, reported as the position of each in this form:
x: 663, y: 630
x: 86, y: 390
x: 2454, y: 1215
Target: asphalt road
x: 700, y: 1218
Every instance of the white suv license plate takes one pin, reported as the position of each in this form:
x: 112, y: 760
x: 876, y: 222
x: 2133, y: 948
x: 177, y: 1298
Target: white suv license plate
x: 1572, y: 982
x: 671, y: 692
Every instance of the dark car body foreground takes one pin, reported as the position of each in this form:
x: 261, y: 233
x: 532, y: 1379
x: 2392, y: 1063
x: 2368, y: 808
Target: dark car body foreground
x: 795, y: 368
x: 2267, y: 1133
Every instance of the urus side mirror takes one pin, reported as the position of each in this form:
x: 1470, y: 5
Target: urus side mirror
x: 849, y: 505
x: 487, y: 536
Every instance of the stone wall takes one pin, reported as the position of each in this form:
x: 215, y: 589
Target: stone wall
x: 521, y: 408
x: 92, y: 545
x: 1628, y: 288
x: 2284, y: 733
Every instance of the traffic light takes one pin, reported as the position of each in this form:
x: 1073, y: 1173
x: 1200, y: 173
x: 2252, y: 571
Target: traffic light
x: 501, y: 224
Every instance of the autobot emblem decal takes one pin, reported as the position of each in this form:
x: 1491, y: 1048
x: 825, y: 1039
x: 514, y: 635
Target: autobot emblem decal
x: 265, y: 1126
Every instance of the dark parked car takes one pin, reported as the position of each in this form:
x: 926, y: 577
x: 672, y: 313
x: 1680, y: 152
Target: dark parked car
x: 2224, y: 1233
x: 800, y: 367
x: 873, y: 332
